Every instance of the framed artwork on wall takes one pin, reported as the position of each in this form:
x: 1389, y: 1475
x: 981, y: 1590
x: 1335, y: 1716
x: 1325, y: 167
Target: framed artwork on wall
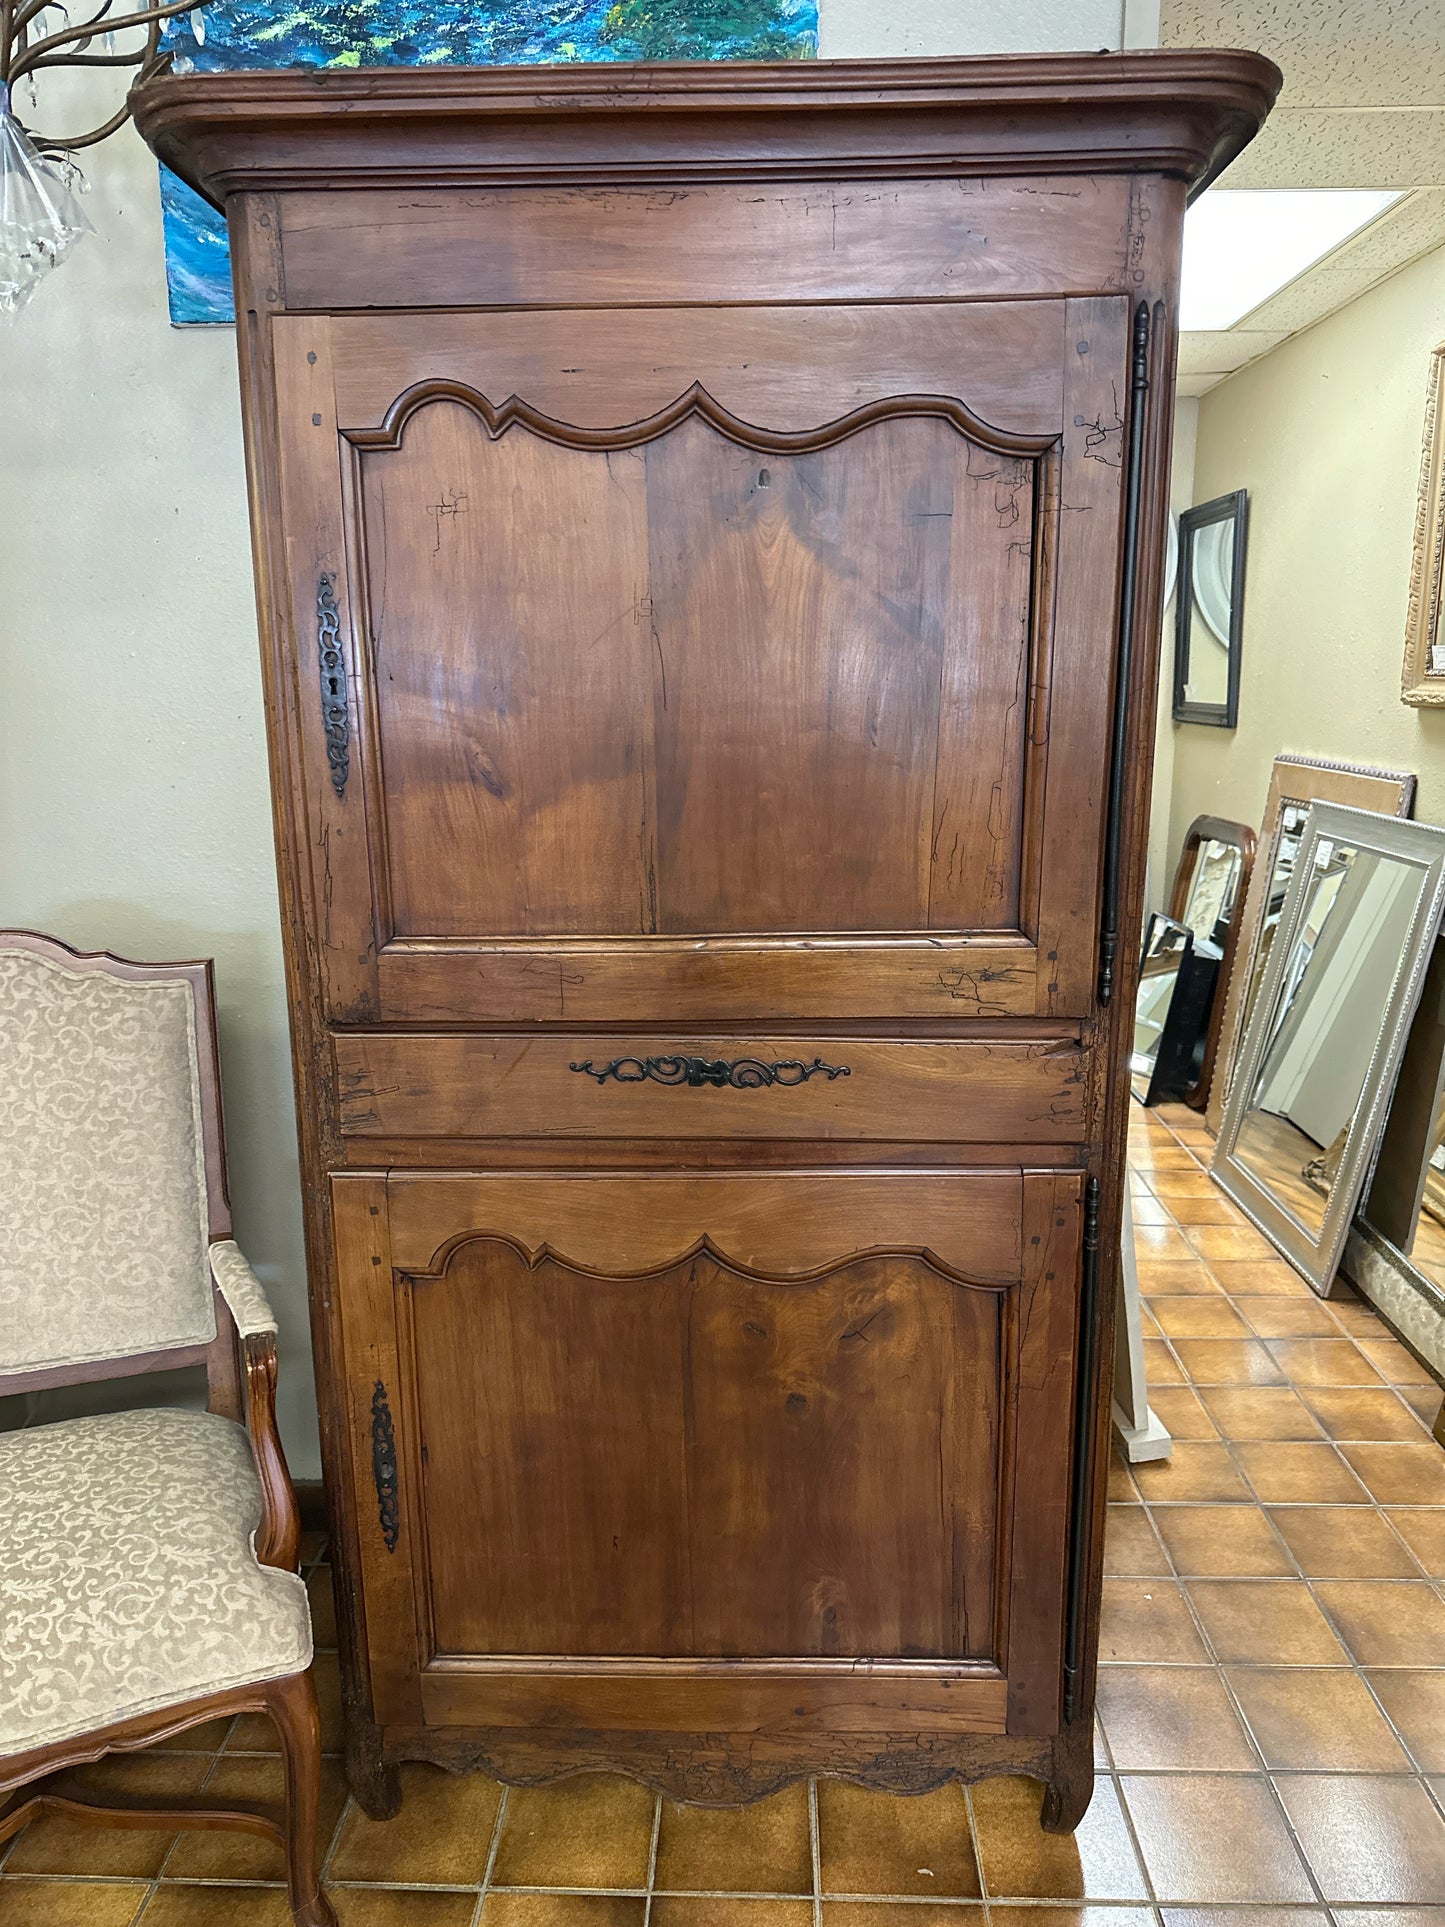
x: 233, y: 34
x: 1423, y: 682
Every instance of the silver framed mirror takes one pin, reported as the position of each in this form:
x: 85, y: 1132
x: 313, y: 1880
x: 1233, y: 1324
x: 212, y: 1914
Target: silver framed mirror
x: 1294, y: 783
x: 1320, y: 1055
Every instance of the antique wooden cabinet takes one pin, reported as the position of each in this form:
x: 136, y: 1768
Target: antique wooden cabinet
x: 708, y: 524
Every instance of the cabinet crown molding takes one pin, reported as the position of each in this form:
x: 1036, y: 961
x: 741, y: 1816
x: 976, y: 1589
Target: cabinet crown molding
x: 1181, y: 113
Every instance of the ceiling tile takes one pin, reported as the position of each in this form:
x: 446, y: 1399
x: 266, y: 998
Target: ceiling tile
x: 1374, y: 147
x: 1363, y: 105
x: 1333, y: 53
x: 1221, y: 351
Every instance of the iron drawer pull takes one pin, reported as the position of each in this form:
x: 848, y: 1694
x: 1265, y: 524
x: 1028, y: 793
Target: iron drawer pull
x: 743, y: 1074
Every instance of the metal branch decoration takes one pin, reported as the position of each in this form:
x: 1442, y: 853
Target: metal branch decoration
x: 40, y: 218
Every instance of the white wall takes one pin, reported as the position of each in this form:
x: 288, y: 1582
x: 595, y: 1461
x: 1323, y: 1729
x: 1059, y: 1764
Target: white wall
x: 134, y: 809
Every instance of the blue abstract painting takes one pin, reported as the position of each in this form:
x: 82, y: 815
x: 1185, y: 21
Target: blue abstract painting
x: 419, y: 33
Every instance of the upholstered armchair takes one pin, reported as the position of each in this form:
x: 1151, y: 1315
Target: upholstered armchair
x: 147, y: 1558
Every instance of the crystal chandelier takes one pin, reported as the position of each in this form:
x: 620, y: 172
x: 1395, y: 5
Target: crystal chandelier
x: 41, y: 218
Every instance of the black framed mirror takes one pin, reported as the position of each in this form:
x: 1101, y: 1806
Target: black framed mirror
x: 1176, y: 981
x: 1209, y: 611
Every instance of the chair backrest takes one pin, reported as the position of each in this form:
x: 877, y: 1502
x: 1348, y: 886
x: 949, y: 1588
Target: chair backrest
x: 112, y: 1169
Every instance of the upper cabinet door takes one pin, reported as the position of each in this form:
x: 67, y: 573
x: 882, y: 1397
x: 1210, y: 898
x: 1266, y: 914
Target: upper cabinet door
x: 681, y: 665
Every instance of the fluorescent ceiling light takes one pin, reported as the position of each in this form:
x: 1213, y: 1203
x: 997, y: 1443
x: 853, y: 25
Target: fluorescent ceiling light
x: 1241, y: 246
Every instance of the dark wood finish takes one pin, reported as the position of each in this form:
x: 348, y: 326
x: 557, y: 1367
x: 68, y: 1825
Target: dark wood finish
x: 241, y: 1377
x: 1215, y: 829
x: 718, y: 474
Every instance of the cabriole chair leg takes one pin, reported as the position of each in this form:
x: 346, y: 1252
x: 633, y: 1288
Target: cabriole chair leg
x: 292, y: 1705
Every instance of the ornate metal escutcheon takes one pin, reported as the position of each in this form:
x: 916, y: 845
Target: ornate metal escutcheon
x: 383, y: 1467
x: 741, y: 1074
x: 331, y: 663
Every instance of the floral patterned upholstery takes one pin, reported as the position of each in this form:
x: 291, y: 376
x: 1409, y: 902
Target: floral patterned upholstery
x: 242, y: 1290
x: 103, y: 1215
x: 128, y: 1576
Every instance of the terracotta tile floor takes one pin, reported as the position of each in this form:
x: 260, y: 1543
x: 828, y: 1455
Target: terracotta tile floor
x: 1272, y: 1694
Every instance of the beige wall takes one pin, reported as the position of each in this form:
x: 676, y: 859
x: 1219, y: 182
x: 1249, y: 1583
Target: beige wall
x: 134, y: 811
x: 134, y: 808
x: 908, y: 27
x: 1325, y: 434
x: 1160, y: 872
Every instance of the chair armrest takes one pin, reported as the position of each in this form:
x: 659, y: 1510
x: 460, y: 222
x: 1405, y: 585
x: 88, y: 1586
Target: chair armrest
x: 241, y: 1289
x: 278, y: 1536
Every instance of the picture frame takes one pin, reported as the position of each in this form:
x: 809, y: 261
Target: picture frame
x: 1209, y: 608
x: 1422, y: 682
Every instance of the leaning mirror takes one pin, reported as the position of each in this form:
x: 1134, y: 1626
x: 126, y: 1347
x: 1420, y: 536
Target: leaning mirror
x: 1295, y: 782
x: 1209, y: 887
x: 1209, y: 611
x: 1169, y: 1010
x: 1322, y: 1048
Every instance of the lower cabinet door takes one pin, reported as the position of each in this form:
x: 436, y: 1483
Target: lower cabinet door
x: 712, y: 1453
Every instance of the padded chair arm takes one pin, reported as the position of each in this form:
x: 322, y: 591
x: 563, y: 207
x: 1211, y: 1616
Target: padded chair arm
x: 278, y: 1537
x: 241, y: 1289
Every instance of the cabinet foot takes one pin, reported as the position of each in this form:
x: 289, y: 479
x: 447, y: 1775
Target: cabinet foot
x: 1070, y: 1786
x: 375, y: 1785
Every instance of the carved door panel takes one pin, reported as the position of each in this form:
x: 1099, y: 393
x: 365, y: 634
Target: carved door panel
x: 682, y: 1428
x: 681, y: 665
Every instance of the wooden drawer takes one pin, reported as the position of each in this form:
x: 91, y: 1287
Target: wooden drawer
x: 399, y: 1085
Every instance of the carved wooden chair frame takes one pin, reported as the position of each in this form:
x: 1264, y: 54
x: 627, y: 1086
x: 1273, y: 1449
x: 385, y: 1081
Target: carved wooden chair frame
x: 241, y: 1379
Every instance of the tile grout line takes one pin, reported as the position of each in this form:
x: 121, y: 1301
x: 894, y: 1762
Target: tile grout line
x: 348, y: 1805
x: 1101, y: 1733
x: 973, y: 1841
x: 652, y: 1858
x: 160, y: 1871
x: 816, y: 1850
x: 1355, y: 1666
x: 1248, y: 1730
x: 492, y: 1850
